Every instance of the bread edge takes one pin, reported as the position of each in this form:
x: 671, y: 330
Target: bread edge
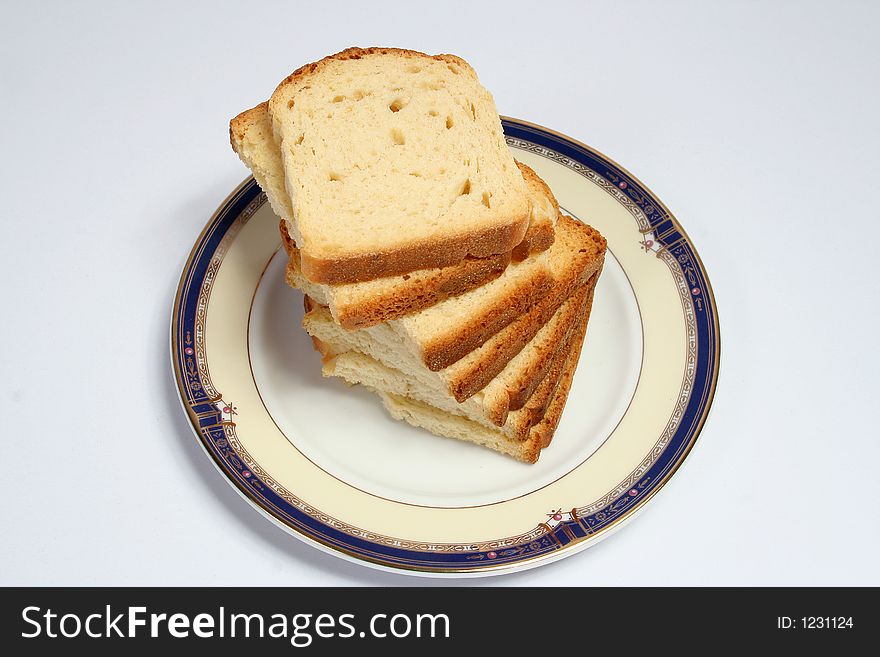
x: 512, y: 339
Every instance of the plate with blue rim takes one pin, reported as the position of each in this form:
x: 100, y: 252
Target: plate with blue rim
x: 327, y: 464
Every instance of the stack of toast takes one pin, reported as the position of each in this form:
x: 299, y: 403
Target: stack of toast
x: 437, y: 271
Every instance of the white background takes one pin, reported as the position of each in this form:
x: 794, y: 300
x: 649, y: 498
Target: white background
x: 756, y: 123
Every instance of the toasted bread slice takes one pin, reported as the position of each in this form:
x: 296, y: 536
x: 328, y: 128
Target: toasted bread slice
x: 576, y: 256
x: 394, y: 161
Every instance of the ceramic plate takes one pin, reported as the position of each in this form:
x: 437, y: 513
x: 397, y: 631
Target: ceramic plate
x: 324, y: 460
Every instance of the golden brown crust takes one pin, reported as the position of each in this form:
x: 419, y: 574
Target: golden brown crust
x: 470, y: 274
x: 509, y: 341
x: 531, y: 454
x: 522, y: 395
x: 519, y: 427
x: 538, y: 404
x: 544, y: 430
x: 441, y: 284
x: 450, y: 348
x: 423, y: 254
x: 541, y: 358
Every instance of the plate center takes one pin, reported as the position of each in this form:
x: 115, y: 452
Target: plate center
x: 346, y: 431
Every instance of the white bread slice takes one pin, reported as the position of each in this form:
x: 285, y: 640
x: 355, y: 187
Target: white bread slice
x: 394, y: 161
x: 542, y: 419
x: 576, y: 255
x: 492, y: 406
x: 364, y: 304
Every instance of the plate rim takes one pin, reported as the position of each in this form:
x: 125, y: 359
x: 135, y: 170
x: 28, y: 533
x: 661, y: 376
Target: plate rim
x: 491, y: 568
